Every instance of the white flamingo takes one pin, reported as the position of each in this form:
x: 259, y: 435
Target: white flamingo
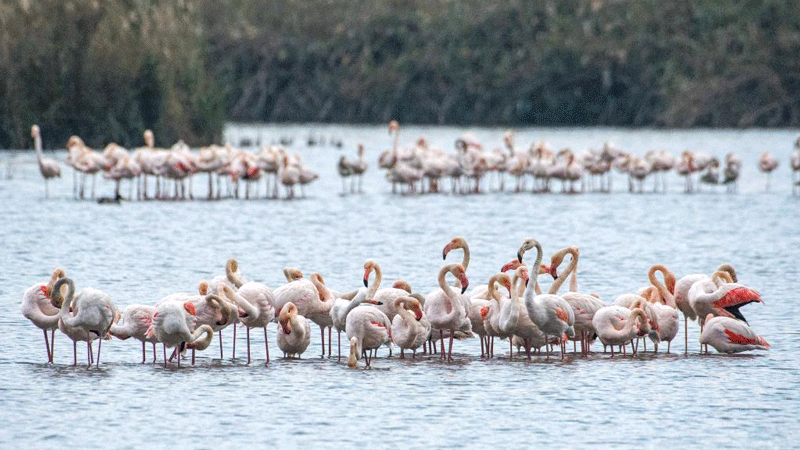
x: 294, y: 332
x: 728, y: 335
x: 94, y: 311
x: 48, y: 167
x: 38, y: 307
x: 136, y: 320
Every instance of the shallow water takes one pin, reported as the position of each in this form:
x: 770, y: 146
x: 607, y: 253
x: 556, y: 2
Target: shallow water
x: 139, y: 252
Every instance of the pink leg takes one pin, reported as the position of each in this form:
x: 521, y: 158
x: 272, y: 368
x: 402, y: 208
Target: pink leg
x: 322, y: 335
x: 52, y: 344
x: 450, y: 350
x: 330, y: 330
x: 234, y: 343
x: 165, y: 354
x: 339, y: 333
x: 220, y: 343
x: 248, y: 345
x: 74, y: 353
x: 441, y: 335
x: 266, y: 342
x: 99, y: 346
x: 47, y: 347
x: 144, y: 355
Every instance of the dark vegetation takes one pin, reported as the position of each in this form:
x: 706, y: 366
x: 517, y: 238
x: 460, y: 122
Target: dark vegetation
x: 108, y: 69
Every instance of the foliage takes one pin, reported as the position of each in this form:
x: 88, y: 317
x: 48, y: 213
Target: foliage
x: 106, y: 69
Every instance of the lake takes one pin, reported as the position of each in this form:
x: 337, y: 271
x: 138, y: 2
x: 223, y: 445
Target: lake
x: 141, y: 251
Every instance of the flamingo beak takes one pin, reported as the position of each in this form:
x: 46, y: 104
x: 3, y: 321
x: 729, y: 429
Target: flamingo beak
x: 519, y: 256
x: 464, y: 282
x: 45, y: 291
x: 418, y: 312
x: 373, y: 302
x: 553, y: 271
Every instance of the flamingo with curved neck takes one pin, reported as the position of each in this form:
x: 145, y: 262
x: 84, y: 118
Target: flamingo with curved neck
x: 448, y: 312
x: 407, y: 326
x: 550, y: 312
x: 94, y: 312
x: 294, y: 332
x: 39, y: 307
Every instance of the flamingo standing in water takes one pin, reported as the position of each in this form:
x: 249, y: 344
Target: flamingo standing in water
x: 94, y: 312
x: 728, y: 335
x: 174, y: 326
x: 367, y: 328
x: 294, y: 333
x: 767, y: 163
x: 38, y: 307
x: 136, y: 320
x: 681, y: 297
x: 255, y: 301
x: 550, y: 312
x: 48, y: 167
x: 450, y: 311
x: 618, y: 325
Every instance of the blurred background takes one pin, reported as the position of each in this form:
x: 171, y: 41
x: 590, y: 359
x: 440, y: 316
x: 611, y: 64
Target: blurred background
x: 106, y: 70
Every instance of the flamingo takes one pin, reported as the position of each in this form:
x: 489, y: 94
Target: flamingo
x: 294, y: 333
x: 136, y: 320
x: 367, y: 329
x: 174, y: 326
x: 618, y: 325
x: 493, y: 319
x: 449, y: 312
x: 358, y: 167
x: 342, y: 307
x: 662, y: 298
x: 706, y: 297
x: 408, y: 328
x: 254, y: 307
x: 794, y: 162
x: 38, y: 307
x: 681, y: 297
x: 550, y: 312
x: 94, y: 312
x: 345, y: 171
x: 48, y: 167
x: 767, y: 163
x: 387, y: 296
x: 733, y: 165
x: 522, y: 326
x: 728, y: 335
x: 216, y: 312
x: 255, y: 303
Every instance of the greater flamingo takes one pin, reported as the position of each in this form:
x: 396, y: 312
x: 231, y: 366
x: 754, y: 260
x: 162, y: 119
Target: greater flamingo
x: 728, y: 335
x: 407, y: 325
x: 94, y: 311
x: 174, y: 326
x: 136, y: 320
x: 38, y: 307
x: 294, y: 333
x: 48, y: 167
x: 449, y: 312
x: 767, y: 163
x: 367, y: 329
x: 618, y: 325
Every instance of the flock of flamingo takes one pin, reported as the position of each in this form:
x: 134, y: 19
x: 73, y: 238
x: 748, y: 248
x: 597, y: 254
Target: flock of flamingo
x: 420, y: 168
x: 178, y: 165
x: 416, y: 169
x: 510, y: 306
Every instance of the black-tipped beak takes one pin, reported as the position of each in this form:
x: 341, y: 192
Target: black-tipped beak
x: 464, y: 289
x: 366, y: 283
x: 519, y: 256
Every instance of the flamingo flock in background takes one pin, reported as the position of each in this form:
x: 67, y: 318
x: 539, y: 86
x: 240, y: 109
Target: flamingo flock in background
x: 421, y: 168
x: 373, y: 317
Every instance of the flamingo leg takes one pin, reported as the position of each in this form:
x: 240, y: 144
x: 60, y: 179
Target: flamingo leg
x: 266, y: 342
x: 165, y: 354
x: 450, y: 350
x: 248, y: 344
x: 144, y: 356
x: 154, y: 352
x: 527, y: 347
x: 685, y: 335
x: 220, y: 343
x: 510, y: 348
x: 330, y: 330
x: 322, y: 336
x: 52, y: 344
x: 441, y: 335
x: 233, y: 356
x: 482, y: 346
x: 99, y: 346
x: 47, y: 347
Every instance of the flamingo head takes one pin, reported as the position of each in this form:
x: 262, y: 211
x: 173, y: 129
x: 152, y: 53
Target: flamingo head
x: 728, y: 305
x: 189, y: 307
x: 285, y: 318
x: 402, y: 284
x: 456, y: 242
x: 522, y: 271
x: 511, y: 265
x: 369, y: 266
x: 461, y: 274
x: 415, y: 307
x: 372, y: 301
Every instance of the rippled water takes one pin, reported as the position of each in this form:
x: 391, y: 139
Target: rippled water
x: 140, y: 251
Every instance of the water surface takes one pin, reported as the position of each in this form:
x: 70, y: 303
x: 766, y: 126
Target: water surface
x: 139, y: 252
